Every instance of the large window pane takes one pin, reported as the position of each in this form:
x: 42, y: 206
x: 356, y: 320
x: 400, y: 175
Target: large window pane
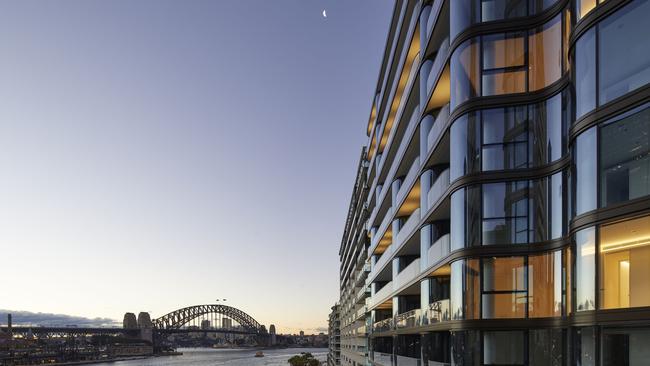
x: 465, y: 146
x: 504, y: 274
x: 626, y: 346
x: 462, y: 13
x: 548, y: 127
x: 585, y: 73
x: 502, y: 9
x: 545, y: 55
x: 624, y: 51
x: 545, y: 347
x: 585, y: 273
x: 457, y: 222
x: 503, y: 82
x: 466, y: 348
x: 503, y: 348
x: 625, y: 264
x: 503, y: 50
x: 625, y: 158
x: 465, y: 289
x: 585, y: 164
x: 585, y: 346
x: 465, y: 72
x: 545, y: 285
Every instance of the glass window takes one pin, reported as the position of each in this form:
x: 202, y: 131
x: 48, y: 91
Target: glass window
x: 625, y: 264
x: 457, y: 222
x: 624, y: 51
x: 545, y: 54
x: 545, y: 285
x: 502, y: 9
x: 464, y: 289
x: 504, y: 288
x: 465, y: 72
x: 464, y: 150
x: 625, y: 346
x: 625, y: 157
x: 545, y: 347
x: 548, y: 127
x: 585, y: 73
x: 585, y: 273
x: 505, y: 138
x: 505, y: 213
x: 585, y: 165
x: 465, y: 347
x: 585, y: 346
x: 504, y: 64
x: 504, y: 50
x: 462, y: 13
x: 503, y: 348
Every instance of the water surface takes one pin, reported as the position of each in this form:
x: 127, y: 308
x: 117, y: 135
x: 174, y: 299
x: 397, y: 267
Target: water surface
x: 230, y: 357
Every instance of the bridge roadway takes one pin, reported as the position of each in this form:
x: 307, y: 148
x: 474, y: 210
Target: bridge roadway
x: 77, y: 331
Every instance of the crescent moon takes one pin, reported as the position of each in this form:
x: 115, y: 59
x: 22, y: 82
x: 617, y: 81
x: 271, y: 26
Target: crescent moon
x: 324, y: 13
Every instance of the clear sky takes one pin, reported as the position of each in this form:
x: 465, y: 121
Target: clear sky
x: 156, y: 154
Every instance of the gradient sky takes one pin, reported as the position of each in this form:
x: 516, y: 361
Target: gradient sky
x: 156, y: 154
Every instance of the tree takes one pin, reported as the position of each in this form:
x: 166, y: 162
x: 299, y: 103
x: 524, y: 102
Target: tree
x: 304, y: 359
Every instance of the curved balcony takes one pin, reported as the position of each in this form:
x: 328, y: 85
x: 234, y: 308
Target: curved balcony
x: 408, y: 319
x: 438, y: 250
x: 410, y: 177
x: 381, y: 295
x: 407, y: 229
x: 438, y: 188
x: 383, y: 325
x: 437, y: 127
x: 381, y: 231
x: 407, y: 275
x: 436, y: 313
x: 438, y: 65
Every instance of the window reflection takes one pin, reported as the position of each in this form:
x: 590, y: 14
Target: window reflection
x: 585, y: 269
x: 503, y: 348
x: 513, y: 62
x: 625, y: 157
x: 624, y: 51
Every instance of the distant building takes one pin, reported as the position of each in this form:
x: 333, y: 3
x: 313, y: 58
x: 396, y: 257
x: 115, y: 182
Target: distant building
x: 334, y: 333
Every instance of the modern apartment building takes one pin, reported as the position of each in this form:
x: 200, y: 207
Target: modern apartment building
x: 503, y: 202
x: 334, y: 337
x: 354, y: 270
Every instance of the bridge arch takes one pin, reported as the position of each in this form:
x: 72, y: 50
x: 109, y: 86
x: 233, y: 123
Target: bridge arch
x: 176, y: 319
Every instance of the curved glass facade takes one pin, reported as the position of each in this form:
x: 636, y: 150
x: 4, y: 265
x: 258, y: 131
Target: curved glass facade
x: 465, y: 13
x: 507, y: 63
x: 528, y: 233
x: 613, y: 157
x: 509, y: 138
x: 613, y: 58
x: 513, y: 212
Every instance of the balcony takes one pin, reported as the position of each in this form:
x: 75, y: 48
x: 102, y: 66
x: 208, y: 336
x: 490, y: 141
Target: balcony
x: 383, y: 359
x: 383, y: 325
x: 433, y: 15
x: 436, y: 313
x: 406, y: 230
x: 438, y: 65
x: 381, y: 295
x: 438, y: 188
x: 438, y: 250
x: 437, y: 127
x: 379, y: 265
x: 408, y: 319
x: 381, y: 230
x: 411, y: 176
x: 407, y: 361
x: 408, y: 274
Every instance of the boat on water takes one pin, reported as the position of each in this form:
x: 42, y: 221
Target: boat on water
x: 259, y: 354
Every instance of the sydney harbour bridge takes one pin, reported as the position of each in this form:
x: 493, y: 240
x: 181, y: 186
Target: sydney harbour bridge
x: 209, y: 318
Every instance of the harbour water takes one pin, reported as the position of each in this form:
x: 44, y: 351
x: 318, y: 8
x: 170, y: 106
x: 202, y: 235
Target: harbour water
x: 230, y: 357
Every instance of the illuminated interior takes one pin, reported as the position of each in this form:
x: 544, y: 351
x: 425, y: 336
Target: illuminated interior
x: 625, y: 264
x: 412, y: 56
x: 385, y: 241
x: 412, y: 201
x: 441, y: 93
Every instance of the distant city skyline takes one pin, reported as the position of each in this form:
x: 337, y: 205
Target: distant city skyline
x: 160, y: 154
